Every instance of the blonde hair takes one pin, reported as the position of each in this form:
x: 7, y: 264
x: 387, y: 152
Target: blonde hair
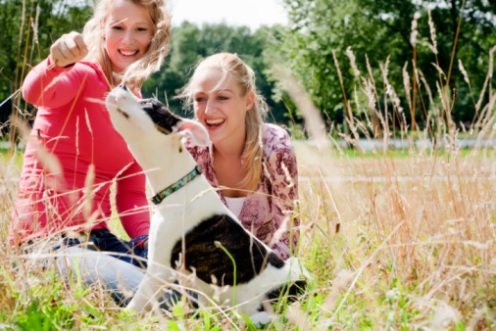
x: 253, y: 152
x: 136, y: 73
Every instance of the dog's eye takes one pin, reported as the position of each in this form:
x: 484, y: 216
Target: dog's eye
x: 146, y: 103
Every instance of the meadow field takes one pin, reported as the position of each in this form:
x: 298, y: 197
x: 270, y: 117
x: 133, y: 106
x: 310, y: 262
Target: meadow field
x: 402, y: 240
x: 395, y: 239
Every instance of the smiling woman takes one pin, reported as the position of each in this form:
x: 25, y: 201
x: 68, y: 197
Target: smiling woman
x: 252, y: 163
x: 64, y: 188
x: 127, y: 34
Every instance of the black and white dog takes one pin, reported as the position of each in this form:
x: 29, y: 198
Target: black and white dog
x: 191, y: 229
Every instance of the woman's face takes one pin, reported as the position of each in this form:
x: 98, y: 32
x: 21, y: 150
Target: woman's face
x: 127, y: 33
x: 219, y: 105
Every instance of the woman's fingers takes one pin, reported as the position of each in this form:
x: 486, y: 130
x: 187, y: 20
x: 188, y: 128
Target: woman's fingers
x: 68, y: 49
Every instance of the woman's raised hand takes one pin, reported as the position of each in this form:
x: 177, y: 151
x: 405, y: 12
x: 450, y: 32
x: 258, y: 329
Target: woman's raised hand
x: 68, y: 49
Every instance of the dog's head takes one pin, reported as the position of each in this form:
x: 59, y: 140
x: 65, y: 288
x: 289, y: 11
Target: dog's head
x: 138, y: 119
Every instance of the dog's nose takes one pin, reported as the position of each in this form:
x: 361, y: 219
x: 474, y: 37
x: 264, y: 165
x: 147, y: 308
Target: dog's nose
x: 124, y: 87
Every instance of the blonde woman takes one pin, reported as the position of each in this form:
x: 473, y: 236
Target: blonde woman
x: 124, y: 42
x: 251, y: 162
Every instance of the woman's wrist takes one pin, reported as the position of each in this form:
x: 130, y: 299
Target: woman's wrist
x: 141, y: 241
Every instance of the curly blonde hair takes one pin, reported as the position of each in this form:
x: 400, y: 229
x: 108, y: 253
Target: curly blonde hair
x: 232, y: 64
x: 136, y: 73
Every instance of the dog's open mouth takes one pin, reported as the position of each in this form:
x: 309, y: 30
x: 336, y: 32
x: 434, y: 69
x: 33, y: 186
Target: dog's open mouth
x: 126, y: 115
x: 112, y: 101
x: 162, y: 129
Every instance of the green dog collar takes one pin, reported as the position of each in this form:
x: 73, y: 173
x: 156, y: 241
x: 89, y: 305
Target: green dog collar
x: 160, y: 196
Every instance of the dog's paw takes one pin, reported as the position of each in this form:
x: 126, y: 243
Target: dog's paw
x: 132, y: 306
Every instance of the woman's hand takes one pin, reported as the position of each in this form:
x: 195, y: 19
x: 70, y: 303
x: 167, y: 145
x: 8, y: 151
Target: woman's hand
x: 68, y: 49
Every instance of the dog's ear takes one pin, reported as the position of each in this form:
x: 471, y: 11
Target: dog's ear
x: 194, y: 130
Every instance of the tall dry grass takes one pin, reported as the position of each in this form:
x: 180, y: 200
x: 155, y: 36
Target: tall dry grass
x: 404, y: 242
x: 400, y: 240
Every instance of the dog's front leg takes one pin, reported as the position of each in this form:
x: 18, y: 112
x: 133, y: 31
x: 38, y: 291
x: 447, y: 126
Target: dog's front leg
x: 151, y: 291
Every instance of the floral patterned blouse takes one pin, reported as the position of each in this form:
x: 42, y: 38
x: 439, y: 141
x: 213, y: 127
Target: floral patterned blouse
x: 269, y: 212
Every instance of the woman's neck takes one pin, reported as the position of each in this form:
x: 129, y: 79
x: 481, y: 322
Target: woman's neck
x: 227, y: 151
x: 229, y: 148
x: 228, y: 164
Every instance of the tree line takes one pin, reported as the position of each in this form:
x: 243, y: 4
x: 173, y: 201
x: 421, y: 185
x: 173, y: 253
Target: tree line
x: 342, y: 53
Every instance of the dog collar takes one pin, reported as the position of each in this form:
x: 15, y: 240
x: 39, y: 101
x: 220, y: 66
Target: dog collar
x: 160, y: 196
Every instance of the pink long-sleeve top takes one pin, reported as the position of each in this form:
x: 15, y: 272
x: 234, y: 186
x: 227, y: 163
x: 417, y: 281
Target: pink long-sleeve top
x: 269, y: 212
x: 73, y: 127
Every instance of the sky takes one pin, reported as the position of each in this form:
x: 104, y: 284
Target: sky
x: 252, y: 13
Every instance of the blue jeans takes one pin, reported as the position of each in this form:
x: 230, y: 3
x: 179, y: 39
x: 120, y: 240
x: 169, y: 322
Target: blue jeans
x: 117, y: 264
x: 126, y: 251
x: 121, y: 279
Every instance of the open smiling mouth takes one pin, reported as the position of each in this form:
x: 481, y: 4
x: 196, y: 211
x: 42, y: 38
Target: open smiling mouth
x: 128, y: 53
x: 214, y: 123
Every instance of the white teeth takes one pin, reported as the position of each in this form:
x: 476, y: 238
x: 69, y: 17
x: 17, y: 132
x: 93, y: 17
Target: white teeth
x: 128, y: 53
x: 214, y: 122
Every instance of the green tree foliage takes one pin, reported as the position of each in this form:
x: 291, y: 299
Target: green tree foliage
x: 28, y: 28
x: 380, y: 30
x: 190, y: 43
